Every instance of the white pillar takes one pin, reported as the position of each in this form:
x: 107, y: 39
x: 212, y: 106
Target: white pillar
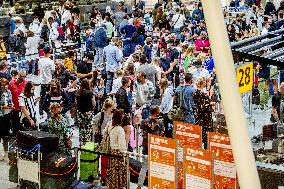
x: 234, y: 113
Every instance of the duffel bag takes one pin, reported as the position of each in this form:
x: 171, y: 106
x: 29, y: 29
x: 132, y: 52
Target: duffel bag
x: 55, y: 164
x: 135, y: 167
x: 27, y: 140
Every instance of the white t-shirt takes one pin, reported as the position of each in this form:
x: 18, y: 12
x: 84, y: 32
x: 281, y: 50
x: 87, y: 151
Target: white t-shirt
x: 178, y: 20
x: 116, y: 84
x: 46, y: 69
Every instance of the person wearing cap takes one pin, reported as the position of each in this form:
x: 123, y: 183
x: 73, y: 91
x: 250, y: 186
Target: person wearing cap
x: 100, y: 42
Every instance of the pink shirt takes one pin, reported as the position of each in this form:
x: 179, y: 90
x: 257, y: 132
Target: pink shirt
x: 200, y: 45
x: 16, y: 89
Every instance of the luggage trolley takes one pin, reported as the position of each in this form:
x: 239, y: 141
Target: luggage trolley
x: 28, y: 164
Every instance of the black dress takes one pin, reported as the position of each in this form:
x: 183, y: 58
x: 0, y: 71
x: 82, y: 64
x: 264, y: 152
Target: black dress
x: 203, y: 114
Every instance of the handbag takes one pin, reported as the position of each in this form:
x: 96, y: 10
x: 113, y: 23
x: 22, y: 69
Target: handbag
x: 105, y: 144
x: 177, y: 113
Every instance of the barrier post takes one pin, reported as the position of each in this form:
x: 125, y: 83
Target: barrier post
x: 137, y: 128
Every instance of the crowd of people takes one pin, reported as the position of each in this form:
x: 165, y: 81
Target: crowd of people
x: 146, y: 68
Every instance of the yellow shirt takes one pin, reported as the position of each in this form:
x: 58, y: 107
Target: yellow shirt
x: 69, y: 64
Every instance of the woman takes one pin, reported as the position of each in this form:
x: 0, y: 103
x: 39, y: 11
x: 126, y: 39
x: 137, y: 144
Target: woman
x: 31, y: 51
x: 85, y: 105
x: 27, y: 103
x: 156, y: 64
x: 97, y: 86
x: 58, y: 125
x: 166, y: 92
x: 203, y: 110
x: 5, y: 115
x: 44, y: 31
x: 202, y: 44
x: 116, y: 174
x: 231, y: 32
x: 56, y: 95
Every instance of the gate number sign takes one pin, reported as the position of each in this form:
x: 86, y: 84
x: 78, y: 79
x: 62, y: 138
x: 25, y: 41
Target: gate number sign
x: 245, y: 77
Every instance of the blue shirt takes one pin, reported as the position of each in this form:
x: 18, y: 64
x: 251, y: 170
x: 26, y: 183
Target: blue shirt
x: 185, y: 99
x: 113, y: 57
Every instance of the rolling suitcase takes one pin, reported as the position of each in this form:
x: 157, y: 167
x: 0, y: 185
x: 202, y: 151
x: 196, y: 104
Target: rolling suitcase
x: 89, y: 161
x: 27, y: 140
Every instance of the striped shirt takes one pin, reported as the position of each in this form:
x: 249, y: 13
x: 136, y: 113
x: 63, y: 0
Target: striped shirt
x: 29, y: 104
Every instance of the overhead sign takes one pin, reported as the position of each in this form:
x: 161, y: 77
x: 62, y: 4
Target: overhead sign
x: 225, y: 174
x: 187, y: 135
x: 245, y: 77
x: 162, y: 162
x: 197, y: 168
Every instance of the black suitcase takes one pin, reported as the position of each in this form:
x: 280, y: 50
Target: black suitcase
x: 255, y: 96
x: 27, y: 140
x: 135, y: 167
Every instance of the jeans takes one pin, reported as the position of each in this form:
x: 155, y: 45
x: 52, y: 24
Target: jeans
x: 32, y: 64
x: 21, y: 62
x: 99, y: 55
x: 143, y: 172
x: 189, y: 118
x: 146, y: 112
x: 109, y: 81
x: 15, y: 114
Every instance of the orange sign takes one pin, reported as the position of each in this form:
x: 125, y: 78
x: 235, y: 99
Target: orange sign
x: 187, y: 135
x: 197, y: 168
x: 225, y: 174
x: 162, y: 162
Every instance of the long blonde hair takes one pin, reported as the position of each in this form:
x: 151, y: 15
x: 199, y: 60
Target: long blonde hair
x: 155, y: 61
x: 163, y: 86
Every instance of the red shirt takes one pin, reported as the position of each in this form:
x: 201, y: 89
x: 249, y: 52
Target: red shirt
x: 16, y: 89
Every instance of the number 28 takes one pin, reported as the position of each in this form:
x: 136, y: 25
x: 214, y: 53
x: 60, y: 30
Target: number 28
x: 245, y: 77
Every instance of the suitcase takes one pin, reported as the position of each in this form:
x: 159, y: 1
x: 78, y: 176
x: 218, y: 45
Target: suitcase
x: 89, y: 161
x: 27, y: 140
x: 135, y: 167
x: 255, y: 96
x: 269, y: 131
x: 80, y: 185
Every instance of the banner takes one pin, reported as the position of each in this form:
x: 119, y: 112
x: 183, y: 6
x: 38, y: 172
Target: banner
x: 197, y: 168
x: 162, y: 162
x: 187, y: 135
x: 225, y: 174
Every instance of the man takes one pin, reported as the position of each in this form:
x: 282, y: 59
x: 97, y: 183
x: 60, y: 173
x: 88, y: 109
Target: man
x: 198, y: 71
x: 46, y: 69
x: 265, y: 27
x: 100, y: 42
x: 154, y: 126
x: 118, y: 18
x: 198, y: 12
x: 122, y: 95
x: 16, y: 87
x: 277, y: 105
x: 35, y: 27
x: 4, y: 66
x: 148, y: 69
x: 144, y: 93
x: 200, y: 28
x: 184, y: 96
x: 178, y: 21
x: 123, y: 23
x: 84, y: 68
x: 113, y: 57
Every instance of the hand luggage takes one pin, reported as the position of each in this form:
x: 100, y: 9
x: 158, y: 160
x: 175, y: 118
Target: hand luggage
x: 29, y: 139
x: 269, y: 131
x: 89, y: 161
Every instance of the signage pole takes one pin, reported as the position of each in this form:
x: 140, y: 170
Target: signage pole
x: 234, y: 113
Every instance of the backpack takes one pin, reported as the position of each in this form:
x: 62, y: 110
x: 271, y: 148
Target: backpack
x: 105, y: 145
x: 61, y: 33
